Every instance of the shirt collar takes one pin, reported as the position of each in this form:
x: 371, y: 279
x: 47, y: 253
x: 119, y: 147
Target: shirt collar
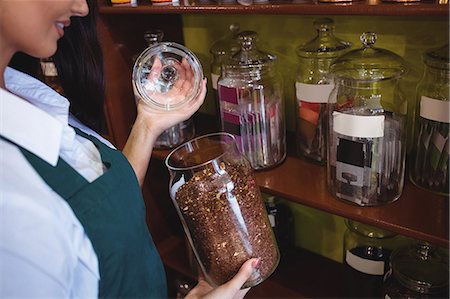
x: 23, y: 119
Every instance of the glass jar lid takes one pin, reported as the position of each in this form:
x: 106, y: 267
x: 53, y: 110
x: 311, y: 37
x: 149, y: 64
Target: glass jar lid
x: 438, y: 57
x: 369, y: 63
x: 249, y: 54
x: 166, y: 76
x: 421, y: 268
x: 325, y: 44
x: 228, y: 44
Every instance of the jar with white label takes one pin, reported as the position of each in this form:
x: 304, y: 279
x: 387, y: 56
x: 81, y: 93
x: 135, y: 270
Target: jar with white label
x: 251, y: 103
x: 366, y: 251
x: 221, y: 50
x: 418, y: 270
x: 367, y: 126
x: 312, y: 88
x: 430, y: 153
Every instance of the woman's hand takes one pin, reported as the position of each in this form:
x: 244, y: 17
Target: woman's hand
x: 151, y: 122
x: 230, y: 290
x: 182, y: 85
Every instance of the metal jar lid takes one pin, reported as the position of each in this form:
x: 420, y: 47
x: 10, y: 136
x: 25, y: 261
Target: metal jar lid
x: 167, y: 76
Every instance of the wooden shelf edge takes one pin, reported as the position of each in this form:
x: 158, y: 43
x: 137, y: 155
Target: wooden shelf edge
x: 301, y: 7
x: 315, y: 275
x: 418, y: 214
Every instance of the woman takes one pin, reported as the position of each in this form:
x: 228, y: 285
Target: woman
x: 72, y: 214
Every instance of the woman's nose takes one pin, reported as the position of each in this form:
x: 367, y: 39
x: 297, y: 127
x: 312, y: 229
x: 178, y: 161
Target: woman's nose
x: 80, y: 8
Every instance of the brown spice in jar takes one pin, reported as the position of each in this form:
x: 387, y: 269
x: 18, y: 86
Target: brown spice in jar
x: 227, y: 221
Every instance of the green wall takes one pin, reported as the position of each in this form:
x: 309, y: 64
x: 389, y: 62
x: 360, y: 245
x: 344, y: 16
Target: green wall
x: 408, y: 37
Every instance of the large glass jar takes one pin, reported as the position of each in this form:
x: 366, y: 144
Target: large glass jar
x: 367, y: 250
x: 167, y: 76
x: 417, y: 271
x: 430, y: 154
x: 222, y: 50
x: 366, y: 153
x: 220, y: 206
x: 251, y: 103
x: 313, y: 86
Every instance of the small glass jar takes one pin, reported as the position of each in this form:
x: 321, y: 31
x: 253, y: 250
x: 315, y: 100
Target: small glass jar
x: 367, y: 251
x: 220, y: 206
x: 251, y: 103
x: 430, y: 154
x: 367, y: 126
x: 313, y: 86
x: 171, y: 55
x: 417, y: 271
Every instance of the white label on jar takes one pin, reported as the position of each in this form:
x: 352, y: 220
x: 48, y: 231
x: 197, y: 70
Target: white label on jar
x: 436, y: 110
x: 214, y: 79
x: 361, y: 126
x: 364, y: 265
x: 271, y: 220
x: 313, y: 93
x: 49, y: 69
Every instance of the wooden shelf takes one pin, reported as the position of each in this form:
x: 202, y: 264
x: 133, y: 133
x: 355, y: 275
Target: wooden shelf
x: 295, y: 7
x: 315, y: 276
x: 417, y: 213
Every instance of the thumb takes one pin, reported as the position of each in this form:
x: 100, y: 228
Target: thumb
x: 232, y: 289
x: 244, y: 274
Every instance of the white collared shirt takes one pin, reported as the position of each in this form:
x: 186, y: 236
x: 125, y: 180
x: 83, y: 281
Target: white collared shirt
x: 44, y: 250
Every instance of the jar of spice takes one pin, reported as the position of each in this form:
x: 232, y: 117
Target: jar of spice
x: 220, y: 206
x: 367, y: 126
x: 222, y: 50
x: 251, y: 103
x: 367, y: 251
x: 313, y: 86
x: 430, y: 154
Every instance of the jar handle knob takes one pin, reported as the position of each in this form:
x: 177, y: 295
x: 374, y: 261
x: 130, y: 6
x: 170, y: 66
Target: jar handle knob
x: 368, y: 39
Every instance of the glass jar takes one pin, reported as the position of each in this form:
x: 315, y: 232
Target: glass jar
x: 367, y: 251
x: 251, y: 103
x: 430, y: 155
x: 171, y: 55
x: 367, y: 126
x: 417, y: 271
x: 222, y: 50
x: 220, y: 206
x: 313, y: 86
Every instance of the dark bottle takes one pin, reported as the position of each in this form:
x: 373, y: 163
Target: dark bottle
x: 282, y: 221
x: 366, y: 259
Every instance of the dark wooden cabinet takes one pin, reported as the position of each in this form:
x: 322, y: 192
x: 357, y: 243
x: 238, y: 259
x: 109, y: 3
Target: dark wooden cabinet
x: 418, y: 213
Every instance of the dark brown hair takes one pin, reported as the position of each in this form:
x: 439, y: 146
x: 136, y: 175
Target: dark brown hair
x: 79, y: 62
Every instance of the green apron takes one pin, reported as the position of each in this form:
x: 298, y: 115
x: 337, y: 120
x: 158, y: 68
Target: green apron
x: 112, y: 212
